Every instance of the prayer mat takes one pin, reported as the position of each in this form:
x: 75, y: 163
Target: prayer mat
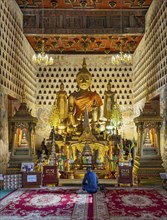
x: 50, y: 203
x: 130, y: 204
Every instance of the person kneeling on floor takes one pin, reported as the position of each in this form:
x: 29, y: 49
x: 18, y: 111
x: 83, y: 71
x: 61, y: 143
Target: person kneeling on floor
x: 90, y: 181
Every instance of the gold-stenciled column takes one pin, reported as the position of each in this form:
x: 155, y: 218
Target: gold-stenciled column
x: 111, y: 161
x: 110, y: 149
x: 107, y: 162
x: 70, y: 173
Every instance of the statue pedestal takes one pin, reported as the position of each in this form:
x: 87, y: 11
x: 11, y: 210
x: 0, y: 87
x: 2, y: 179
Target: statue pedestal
x: 70, y: 175
x: 147, y: 167
x: 21, y: 154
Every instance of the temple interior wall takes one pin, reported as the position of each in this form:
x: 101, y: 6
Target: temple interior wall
x: 16, y: 70
x: 150, y: 67
x: 41, y: 85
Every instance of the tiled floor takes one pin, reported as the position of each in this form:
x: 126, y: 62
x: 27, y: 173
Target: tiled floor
x: 4, y: 193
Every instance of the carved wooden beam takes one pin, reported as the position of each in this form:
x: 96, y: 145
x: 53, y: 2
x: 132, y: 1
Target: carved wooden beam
x: 50, y: 21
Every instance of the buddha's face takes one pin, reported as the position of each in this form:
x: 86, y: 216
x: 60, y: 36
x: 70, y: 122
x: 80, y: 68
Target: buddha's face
x: 62, y: 87
x: 108, y: 86
x: 84, y: 81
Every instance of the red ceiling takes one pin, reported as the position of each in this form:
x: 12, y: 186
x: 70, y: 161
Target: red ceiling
x: 91, y: 44
x: 100, y: 4
x: 87, y: 44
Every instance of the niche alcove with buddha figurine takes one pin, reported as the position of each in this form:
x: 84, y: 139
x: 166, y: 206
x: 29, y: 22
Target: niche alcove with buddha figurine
x: 22, y: 137
x: 148, y: 161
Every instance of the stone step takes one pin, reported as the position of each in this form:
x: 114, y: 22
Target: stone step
x: 22, y: 151
x: 149, y: 151
x: 16, y: 161
x: 13, y: 170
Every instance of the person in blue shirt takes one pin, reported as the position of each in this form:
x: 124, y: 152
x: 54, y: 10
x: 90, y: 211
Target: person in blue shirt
x: 90, y: 181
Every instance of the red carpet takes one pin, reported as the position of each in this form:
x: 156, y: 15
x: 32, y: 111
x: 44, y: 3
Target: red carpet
x: 130, y: 204
x: 46, y: 203
x: 63, y: 203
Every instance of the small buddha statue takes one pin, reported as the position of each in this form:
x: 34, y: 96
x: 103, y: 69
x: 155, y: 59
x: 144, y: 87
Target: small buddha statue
x: 24, y: 142
x: 43, y: 157
x: 44, y: 148
x: 108, y: 102
x: 62, y: 103
x: 87, y: 155
x: 84, y: 97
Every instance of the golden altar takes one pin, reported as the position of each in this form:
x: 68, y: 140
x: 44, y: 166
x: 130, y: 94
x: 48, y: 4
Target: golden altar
x: 80, y: 134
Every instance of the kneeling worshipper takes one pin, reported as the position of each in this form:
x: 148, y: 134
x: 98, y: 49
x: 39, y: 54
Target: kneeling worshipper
x: 89, y: 182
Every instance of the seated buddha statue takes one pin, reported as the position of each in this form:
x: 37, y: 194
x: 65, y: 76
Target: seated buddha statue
x: 84, y: 97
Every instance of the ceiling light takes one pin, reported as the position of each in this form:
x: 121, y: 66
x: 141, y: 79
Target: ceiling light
x: 121, y: 59
x: 42, y: 58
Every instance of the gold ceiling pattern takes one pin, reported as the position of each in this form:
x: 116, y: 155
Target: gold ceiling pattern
x: 86, y: 44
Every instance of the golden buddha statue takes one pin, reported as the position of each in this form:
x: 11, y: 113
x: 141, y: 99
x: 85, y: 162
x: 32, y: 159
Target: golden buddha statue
x: 108, y: 101
x: 62, y: 103
x: 79, y: 100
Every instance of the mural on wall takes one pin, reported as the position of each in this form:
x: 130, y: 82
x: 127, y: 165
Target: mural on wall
x: 128, y: 116
x: 43, y: 127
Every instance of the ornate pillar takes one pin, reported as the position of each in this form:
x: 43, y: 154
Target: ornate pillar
x: 157, y: 132
x: 33, y: 139
x: 141, y: 139
x: 13, y: 128
x: 29, y: 138
x: 111, y: 144
x: 31, y: 132
x: 138, y: 140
